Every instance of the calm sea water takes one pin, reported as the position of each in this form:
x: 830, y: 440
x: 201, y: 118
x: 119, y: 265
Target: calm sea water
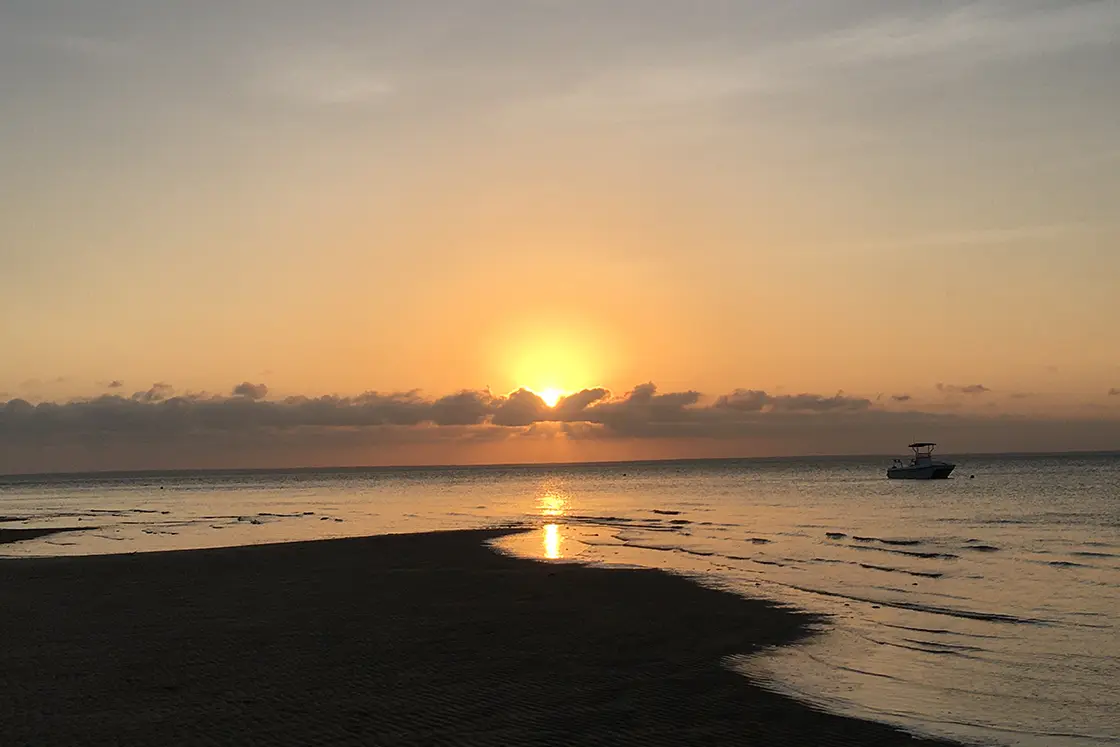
x: 985, y: 608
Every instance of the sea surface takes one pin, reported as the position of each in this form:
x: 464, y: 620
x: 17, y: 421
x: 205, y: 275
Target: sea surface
x: 985, y: 607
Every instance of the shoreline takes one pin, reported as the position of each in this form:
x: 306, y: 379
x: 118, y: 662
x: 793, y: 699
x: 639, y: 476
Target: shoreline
x: 405, y: 639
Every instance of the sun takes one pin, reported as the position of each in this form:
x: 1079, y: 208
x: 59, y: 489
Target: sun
x: 550, y: 359
x: 550, y: 395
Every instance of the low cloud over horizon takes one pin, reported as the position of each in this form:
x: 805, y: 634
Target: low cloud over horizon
x: 963, y: 389
x: 158, y: 428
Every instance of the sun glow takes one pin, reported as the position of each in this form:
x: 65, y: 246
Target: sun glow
x: 550, y: 395
x: 551, y: 358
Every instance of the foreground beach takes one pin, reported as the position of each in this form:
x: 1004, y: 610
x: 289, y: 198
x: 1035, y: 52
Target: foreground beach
x: 404, y: 639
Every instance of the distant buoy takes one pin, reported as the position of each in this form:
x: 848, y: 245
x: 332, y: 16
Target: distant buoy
x: 971, y: 477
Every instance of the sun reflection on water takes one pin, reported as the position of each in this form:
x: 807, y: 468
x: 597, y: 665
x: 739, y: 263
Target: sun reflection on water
x: 552, y: 500
x: 552, y: 541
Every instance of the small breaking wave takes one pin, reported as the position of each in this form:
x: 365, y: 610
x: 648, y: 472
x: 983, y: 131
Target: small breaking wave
x: 965, y: 614
x: 888, y: 569
x: 925, y: 649
x: 936, y: 631
x: 910, y: 553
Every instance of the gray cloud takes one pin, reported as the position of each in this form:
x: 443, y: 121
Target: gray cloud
x: 250, y: 390
x: 158, y: 392
x: 901, y: 397
x: 641, y: 412
x: 115, y: 384
x: 965, y: 389
x: 752, y: 400
x: 987, y: 30
x: 158, y: 428
x: 464, y: 408
x: 572, y: 407
x: 520, y: 408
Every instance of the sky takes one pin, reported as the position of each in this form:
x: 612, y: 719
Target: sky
x: 281, y: 233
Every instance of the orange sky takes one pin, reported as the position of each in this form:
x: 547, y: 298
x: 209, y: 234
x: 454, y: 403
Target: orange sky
x: 461, y: 195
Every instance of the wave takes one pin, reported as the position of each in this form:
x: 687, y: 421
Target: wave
x: 911, y: 553
x: 937, y: 631
x: 658, y: 548
x: 957, y: 646
x: 922, y: 649
x: 843, y: 668
x: 888, y: 569
x: 892, y: 544
x: 932, y: 609
x: 624, y: 519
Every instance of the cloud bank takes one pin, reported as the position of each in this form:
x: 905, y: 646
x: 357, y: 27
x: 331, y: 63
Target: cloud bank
x: 160, y: 428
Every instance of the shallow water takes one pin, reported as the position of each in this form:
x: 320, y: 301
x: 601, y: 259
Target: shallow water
x: 984, y: 609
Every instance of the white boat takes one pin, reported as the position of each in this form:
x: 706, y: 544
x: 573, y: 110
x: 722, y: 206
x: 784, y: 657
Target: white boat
x: 922, y: 467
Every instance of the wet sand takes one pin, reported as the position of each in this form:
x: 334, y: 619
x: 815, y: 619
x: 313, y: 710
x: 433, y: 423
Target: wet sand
x: 396, y: 640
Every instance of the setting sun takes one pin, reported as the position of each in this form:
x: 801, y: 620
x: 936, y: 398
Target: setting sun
x: 550, y: 395
x: 550, y: 356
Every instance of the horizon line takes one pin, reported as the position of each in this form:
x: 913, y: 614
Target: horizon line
x: 512, y: 465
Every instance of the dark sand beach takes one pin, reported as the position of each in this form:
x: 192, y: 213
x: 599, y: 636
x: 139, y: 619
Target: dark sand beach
x: 394, y: 640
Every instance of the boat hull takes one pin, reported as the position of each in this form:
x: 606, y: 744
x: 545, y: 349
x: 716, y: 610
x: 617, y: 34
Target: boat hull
x: 923, y: 472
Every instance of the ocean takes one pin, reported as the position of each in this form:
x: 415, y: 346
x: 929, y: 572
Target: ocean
x: 985, y: 607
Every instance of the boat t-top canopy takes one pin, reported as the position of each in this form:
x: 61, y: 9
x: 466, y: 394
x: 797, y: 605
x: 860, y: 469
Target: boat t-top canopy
x: 921, y: 445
